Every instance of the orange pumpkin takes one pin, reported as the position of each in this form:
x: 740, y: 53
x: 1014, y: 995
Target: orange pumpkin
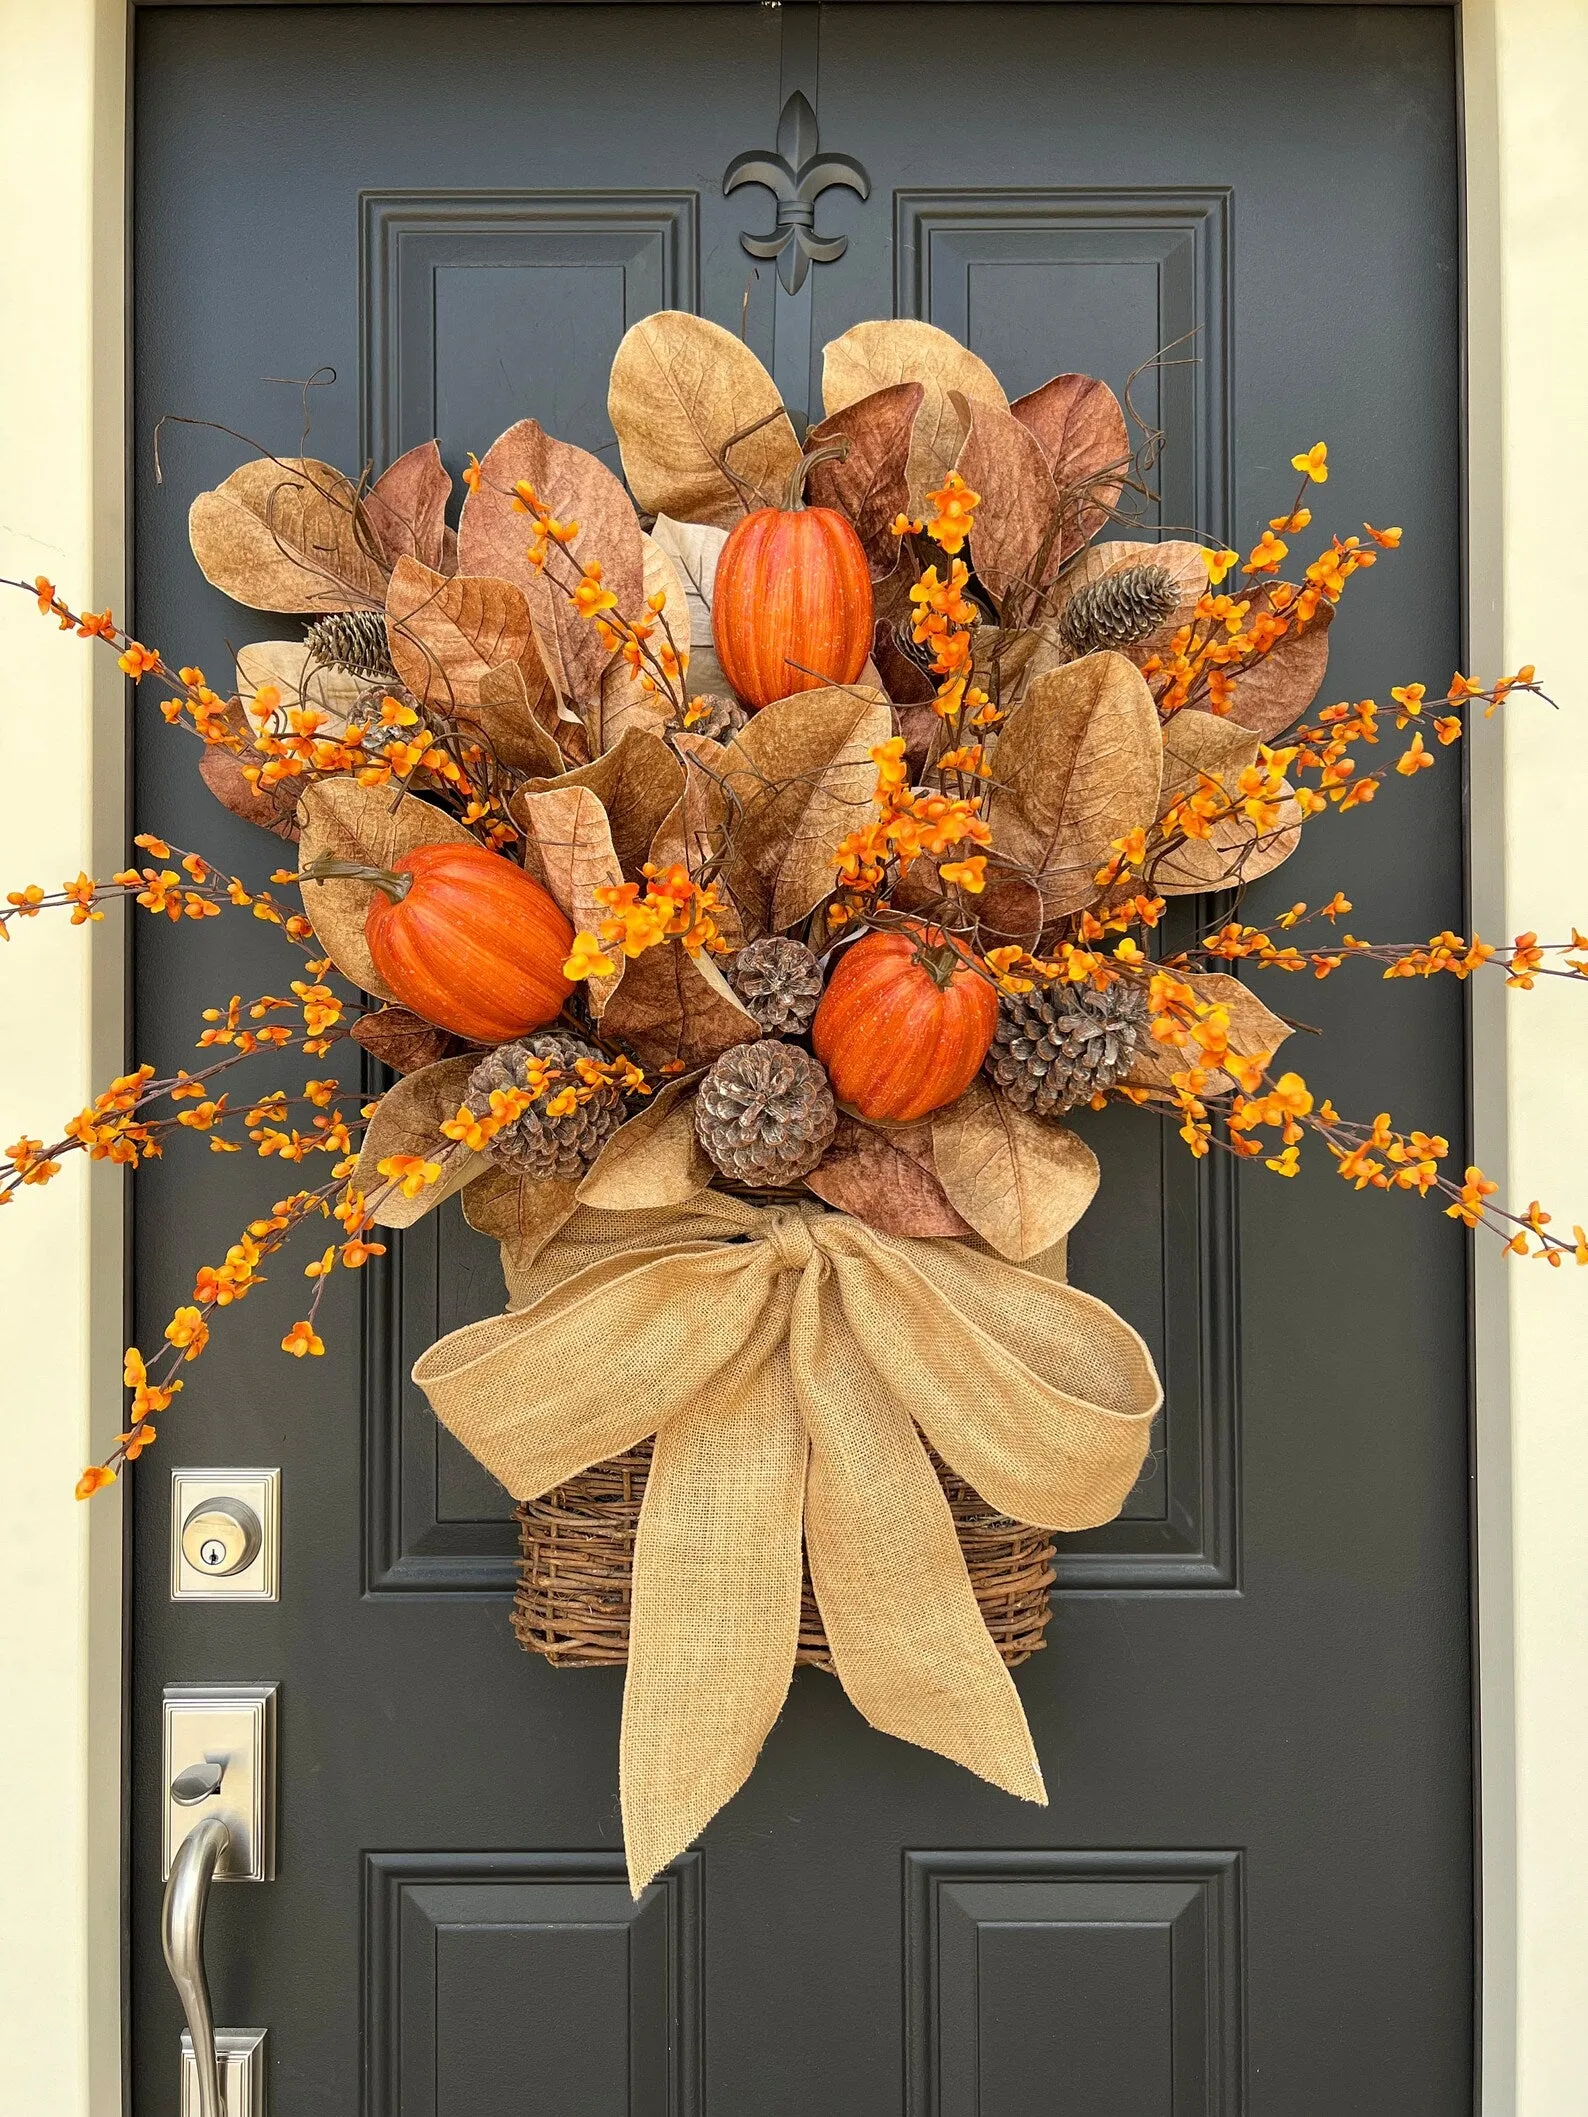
x: 792, y: 608
x: 904, y: 1024
x: 468, y: 940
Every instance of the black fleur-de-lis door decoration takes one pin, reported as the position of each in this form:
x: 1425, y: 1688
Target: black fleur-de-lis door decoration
x: 796, y: 176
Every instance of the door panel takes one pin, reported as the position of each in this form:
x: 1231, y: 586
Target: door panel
x: 1252, y: 1891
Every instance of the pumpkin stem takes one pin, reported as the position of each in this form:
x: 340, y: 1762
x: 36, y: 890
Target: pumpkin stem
x: 940, y: 960
x: 825, y: 452
x: 394, y: 883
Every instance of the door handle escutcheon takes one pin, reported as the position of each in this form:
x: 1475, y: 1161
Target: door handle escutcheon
x: 182, y: 1938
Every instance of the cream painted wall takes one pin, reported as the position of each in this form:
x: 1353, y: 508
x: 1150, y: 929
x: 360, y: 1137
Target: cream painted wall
x: 62, y: 102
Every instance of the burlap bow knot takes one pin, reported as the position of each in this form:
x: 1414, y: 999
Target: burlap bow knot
x: 784, y: 1359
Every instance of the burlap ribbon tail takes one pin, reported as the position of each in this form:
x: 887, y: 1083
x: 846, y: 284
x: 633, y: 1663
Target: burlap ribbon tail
x: 784, y: 1360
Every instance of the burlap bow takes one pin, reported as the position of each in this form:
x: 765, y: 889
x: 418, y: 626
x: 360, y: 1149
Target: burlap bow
x: 784, y: 1360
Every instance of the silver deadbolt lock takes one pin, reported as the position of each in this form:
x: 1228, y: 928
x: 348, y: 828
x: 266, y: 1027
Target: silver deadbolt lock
x: 220, y: 1537
x: 225, y: 1535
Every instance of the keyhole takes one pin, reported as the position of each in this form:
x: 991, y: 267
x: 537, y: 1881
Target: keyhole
x: 213, y: 1551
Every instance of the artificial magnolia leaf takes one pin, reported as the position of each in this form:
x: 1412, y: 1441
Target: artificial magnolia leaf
x: 568, y: 847
x: 1254, y: 1032
x: 694, y: 548
x: 517, y: 727
x: 1195, y: 744
x: 1021, y: 1181
x: 652, y: 1160
x: 801, y: 777
x: 664, y: 577
x: 446, y: 633
x: 521, y: 1211
x: 1235, y: 853
x: 284, y: 535
x: 694, y: 831
x: 302, y: 680
x: 493, y: 537
x: 637, y: 783
x: 407, y: 1121
x: 681, y: 389
x: 1077, y: 766
x: 406, y: 507
x: 673, y: 1007
x: 274, y: 809
x: 405, y: 1041
x: 870, y: 485
x: 874, y: 356
x: 886, y: 1178
x: 1016, y: 534
x: 904, y: 680
x: 1271, y: 696
x: 634, y: 699
x: 1186, y: 565
x: 1081, y: 429
x: 345, y: 821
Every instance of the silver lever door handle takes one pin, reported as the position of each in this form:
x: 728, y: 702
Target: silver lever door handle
x: 187, y: 1896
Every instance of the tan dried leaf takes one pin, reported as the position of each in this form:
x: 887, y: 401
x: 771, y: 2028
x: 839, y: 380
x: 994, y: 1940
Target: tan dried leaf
x: 674, y: 1006
x: 1195, y: 743
x: 1272, y: 695
x: 517, y: 725
x: 681, y: 388
x: 887, y: 1178
x: 1081, y: 429
x: 522, y: 1211
x: 871, y: 485
x: 405, y: 1041
x: 637, y: 783
x: 408, y: 1120
x: 493, y: 537
x: 283, y: 535
x: 568, y: 847
x: 652, y: 1160
x: 345, y: 821
x: 1017, y: 528
x: 1254, y: 1031
x: 1077, y: 766
x: 406, y: 507
x: 874, y: 356
x: 800, y: 777
x: 694, y: 548
x: 1022, y: 1182
x: 446, y: 633
x: 1236, y: 853
x: 301, y: 680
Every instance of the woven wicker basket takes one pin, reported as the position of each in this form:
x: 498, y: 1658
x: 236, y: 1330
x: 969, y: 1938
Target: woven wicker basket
x: 572, y: 1604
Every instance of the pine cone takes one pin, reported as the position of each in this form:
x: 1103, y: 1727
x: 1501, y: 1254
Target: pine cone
x: 765, y: 1113
x: 1120, y: 609
x: 537, y: 1144
x: 723, y: 717
x: 1060, y: 1045
x: 779, y: 982
x: 354, y: 640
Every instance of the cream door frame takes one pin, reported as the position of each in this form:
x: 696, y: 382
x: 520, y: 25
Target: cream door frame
x: 63, y: 161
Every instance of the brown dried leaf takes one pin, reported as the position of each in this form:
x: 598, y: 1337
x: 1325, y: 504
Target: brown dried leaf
x: 408, y: 1120
x: 874, y: 356
x: 886, y: 1178
x: 406, y: 507
x: 625, y: 704
x: 905, y: 681
x: 1194, y: 743
x: 1077, y: 766
x: 493, y: 538
x: 522, y: 1211
x: 1236, y: 853
x: 801, y: 777
x: 637, y: 783
x: 1022, y: 1182
x: 519, y: 727
x: 1015, y: 523
x: 301, y: 680
x: 1081, y: 429
x: 1272, y: 695
x: 694, y: 830
x: 681, y: 388
x: 345, y: 821
x: 652, y: 1160
x: 871, y: 485
x: 1253, y: 1030
x: 568, y: 847
x: 283, y: 536
x: 674, y: 1006
x: 405, y: 1041
x: 275, y: 810
x: 694, y: 548
x: 446, y: 633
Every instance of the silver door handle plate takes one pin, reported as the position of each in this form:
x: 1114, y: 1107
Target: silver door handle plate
x: 240, y: 2061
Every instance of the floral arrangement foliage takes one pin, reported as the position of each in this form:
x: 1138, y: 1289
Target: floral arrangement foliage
x: 798, y: 819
